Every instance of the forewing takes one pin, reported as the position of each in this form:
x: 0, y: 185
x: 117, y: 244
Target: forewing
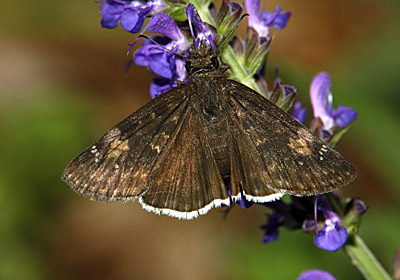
x: 118, y: 166
x: 284, y: 154
x: 187, y: 182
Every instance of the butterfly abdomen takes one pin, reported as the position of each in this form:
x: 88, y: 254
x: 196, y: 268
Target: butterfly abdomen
x: 218, y: 141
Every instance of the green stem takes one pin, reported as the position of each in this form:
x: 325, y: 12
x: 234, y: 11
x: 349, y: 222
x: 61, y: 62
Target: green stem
x: 364, y: 259
x: 238, y: 70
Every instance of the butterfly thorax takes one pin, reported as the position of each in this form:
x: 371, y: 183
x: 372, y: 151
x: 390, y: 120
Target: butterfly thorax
x: 203, y: 60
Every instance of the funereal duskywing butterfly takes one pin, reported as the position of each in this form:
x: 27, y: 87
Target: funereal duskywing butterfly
x: 175, y: 153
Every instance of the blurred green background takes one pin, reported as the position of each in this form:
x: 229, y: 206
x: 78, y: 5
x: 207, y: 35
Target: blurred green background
x: 62, y: 85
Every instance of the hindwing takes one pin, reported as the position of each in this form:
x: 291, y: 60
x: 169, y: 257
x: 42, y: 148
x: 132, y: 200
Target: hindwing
x: 275, y: 154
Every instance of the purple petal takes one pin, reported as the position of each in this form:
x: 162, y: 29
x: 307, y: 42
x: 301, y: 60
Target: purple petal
x: 316, y: 274
x: 344, y: 116
x: 144, y: 54
x: 141, y: 58
x: 322, y: 203
x: 129, y: 13
x: 261, y: 22
x: 272, y: 227
x: 163, y: 64
x: 180, y: 72
x: 268, y: 18
x: 132, y: 20
x: 271, y: 236
x: 299, y: 113
x: 164, y: 24
x: 277, y: 20
x: 331, y: 237
x: 321, y: 99
x: 110, y: 15
x: 159, y: 86
x: 253, y: 9
x: 193, y: 16
x: 281, y: 20
x: 203, y: 32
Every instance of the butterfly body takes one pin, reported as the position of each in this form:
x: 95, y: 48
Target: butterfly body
x: 209, y: 103
x: 177, y: 153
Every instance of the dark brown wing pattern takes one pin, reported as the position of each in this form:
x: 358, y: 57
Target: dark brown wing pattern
x: 118, y: 167
x: 275, y: 154
x: 159, y: 154
x: 188, y: 182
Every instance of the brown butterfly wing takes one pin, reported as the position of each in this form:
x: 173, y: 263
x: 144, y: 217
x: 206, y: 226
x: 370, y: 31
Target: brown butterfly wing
x: 248, y: 174
x: 187, y: 181
x: 118, y: 166
x: 275, y: 154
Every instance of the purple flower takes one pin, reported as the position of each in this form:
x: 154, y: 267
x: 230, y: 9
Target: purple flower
x: 332, y: 236
x: 243, y: 202
x: 262, y: 21
x: 321, y: 100
x: 299, y: 113
x: 274, y: 221
x: 131, y: 14
x: 289, y: 215
x: 160, y: 85
x: 204, y: 33
x: 283, y: 95
x: 161, y: 61
x: 299, y: 214
x: 316, y: 274
x: 354, y: 210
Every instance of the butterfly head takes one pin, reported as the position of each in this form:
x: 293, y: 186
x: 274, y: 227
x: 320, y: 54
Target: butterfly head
x: 202, y: 59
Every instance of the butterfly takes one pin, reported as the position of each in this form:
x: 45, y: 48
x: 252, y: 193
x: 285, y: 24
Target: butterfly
x: 206, y: 143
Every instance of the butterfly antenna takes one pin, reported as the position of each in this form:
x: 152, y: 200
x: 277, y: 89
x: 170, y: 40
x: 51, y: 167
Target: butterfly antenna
x: 231, y: 33
x: 158, y: 44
